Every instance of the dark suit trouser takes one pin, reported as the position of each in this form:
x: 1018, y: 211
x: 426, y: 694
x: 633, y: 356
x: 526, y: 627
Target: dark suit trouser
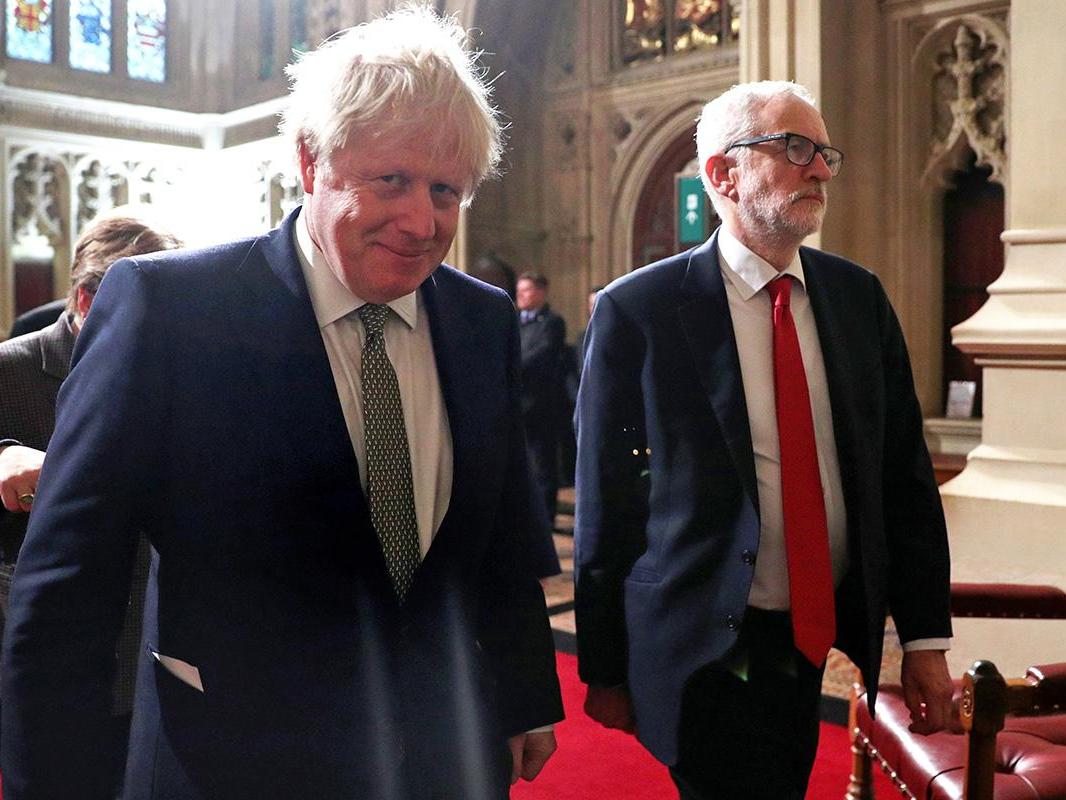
x: 543, y: 445
x: 542, y: 449
x: 752, y: 738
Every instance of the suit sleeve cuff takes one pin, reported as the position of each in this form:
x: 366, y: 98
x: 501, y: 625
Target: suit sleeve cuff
x: 926, y: 644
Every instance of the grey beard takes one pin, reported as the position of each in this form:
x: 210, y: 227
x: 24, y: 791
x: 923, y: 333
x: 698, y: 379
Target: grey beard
x: 775, y: 223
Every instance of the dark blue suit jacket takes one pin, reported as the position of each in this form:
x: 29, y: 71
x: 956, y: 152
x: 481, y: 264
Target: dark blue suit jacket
x: 667, y: 502
x: 201, y: 409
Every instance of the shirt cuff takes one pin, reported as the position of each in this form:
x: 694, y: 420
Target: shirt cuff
x: 542, y: 729
x: 926, y: 644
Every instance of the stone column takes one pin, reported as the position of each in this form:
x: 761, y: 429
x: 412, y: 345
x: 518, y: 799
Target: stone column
x: 826, y: 45
x: 1007, y: 510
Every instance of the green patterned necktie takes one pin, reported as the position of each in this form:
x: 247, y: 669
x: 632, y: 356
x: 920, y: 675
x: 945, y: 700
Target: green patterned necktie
x: 388, y: 460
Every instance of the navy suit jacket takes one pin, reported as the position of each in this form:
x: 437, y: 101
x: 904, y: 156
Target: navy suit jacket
x: 201, y: 409
x: 667, y: 502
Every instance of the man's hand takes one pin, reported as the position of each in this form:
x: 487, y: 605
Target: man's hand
x: 529, y: 753
x: 611, y: 707
x: 927, y: 690
x: 20, y: 467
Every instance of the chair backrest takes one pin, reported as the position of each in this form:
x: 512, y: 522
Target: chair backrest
x: 987, y: 699
x: 1007, y: 600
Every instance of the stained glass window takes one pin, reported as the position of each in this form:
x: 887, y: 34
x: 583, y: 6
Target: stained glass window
x: 734, y: 20
x: 266, y: 39
x: 146, y: 42
x: 298, y: 25
x: 655, y: 29
x: 90, y: 35
x: 29, y: 30
x: 645, y: 30
x: 697, y: 23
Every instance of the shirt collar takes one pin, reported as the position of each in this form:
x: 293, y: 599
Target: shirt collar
x: 330, y: 298
x: 748, y: 272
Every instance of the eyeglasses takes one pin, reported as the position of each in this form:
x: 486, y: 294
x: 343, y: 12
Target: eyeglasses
x: 798, y: 149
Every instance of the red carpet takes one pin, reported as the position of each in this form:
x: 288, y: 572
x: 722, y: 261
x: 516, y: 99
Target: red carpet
x: 593, y: 763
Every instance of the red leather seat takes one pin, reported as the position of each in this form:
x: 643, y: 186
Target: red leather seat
x: 1030, y: 753
x: 1016, y: 736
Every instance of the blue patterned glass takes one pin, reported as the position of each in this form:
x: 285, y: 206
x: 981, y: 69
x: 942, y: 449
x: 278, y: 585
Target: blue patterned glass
x: 297, y: 25
x: 29, y: 30
x: 266, y: 39
x: 146, y: 44
x: 90, y: 35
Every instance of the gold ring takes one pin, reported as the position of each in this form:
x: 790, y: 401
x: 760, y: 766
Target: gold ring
x: 26, y: 498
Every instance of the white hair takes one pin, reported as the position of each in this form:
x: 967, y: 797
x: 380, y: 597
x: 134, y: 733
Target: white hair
x: 378, y: 79
x: 733, y: 115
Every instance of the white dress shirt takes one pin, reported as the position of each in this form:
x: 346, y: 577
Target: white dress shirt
x: 410, y: 349
x: 746, y: 275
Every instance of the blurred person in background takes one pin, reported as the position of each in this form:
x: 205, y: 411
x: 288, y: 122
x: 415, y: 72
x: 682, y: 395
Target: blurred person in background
x: 32, y: 368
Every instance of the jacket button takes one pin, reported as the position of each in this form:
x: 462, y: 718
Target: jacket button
x: 732, y: 622
x: 748, y: 557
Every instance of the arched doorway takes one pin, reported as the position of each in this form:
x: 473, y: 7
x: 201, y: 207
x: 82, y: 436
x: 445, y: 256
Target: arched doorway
x: 655, y: 233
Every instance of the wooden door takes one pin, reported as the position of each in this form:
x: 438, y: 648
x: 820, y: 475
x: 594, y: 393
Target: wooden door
x: 973, y: 258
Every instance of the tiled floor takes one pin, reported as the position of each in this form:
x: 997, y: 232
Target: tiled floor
x: 559, y: 592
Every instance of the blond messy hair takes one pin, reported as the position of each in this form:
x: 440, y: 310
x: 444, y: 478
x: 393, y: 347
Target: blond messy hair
x: 409, y: 68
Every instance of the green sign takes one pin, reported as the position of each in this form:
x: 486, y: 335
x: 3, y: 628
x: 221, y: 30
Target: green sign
x: 691, y: 211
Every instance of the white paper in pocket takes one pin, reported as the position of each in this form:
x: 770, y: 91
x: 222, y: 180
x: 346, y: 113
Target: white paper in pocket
x: 182, y: 670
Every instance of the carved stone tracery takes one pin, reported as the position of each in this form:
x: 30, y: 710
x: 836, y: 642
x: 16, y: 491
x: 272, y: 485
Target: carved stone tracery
x: 54, y: 193
x: 620, y: 126
x: 151, y: 183
x: 37, y: 180
x: 101, y: 187
x: 969, y: 99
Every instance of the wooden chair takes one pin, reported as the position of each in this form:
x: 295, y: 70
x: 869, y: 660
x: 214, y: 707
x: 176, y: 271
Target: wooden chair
x: 1011, y: 743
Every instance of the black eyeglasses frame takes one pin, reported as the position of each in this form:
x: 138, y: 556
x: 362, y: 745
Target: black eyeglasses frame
x: 834, y: 165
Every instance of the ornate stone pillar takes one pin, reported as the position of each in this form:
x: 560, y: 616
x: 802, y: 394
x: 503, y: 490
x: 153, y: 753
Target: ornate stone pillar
x: 1007, y: 510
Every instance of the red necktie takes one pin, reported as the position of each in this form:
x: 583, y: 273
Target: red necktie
x: 810, y: 576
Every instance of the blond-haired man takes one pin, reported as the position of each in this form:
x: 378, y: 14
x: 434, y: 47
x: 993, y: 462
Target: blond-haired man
x: 319, y: 431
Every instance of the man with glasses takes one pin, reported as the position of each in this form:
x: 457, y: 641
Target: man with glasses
x: 752, y: 483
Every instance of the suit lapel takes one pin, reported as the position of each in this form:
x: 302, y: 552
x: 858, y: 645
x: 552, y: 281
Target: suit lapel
x: 450, y: 327
x: 839, y: 370
x: 294, y: 388
x: 57, y: 345
x: 708, y: 327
